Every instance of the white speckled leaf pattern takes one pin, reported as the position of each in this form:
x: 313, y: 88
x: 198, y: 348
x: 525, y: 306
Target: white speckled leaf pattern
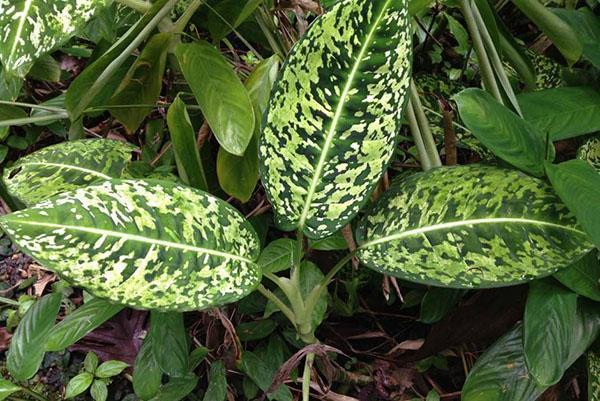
x: 590, y: 152
x: 66, y: 166
x: 31, y: 28
x: 470, y: 226
x: 335, y: 113
x: 145, y: 244
x: 593, y: 360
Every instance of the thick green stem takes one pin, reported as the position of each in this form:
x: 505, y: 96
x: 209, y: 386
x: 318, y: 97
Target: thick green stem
x: 34, y: 394
x: 426, y: 164
x: 181, y: 23
x: 278, y: 302
x: 140, y: 6
x: 308, y: 364
x: 487, y: 74
x: 425, y: 129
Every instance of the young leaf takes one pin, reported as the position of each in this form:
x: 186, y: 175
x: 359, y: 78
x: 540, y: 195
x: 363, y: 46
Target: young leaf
x: 562, y: 112
x: 578, y: 185
x: 110, y: 369
x: 558, y: 31
x: 99, y: 391
x: 217, y: 383
x: 502, y: 131
x: 148, y: 244
x: 238, y: 175
x: 498, y: 227
x: 146, y: 372
x: 183, y: 138
x: 7, y: 388
x: 220, y: 94
x: 142, y: 83
x: 583, y: 276
x: 26, y: 350
x: 30, y: 29
x: 90, y: 363
x: 335, y: 114
x: 168, y: 333
x: 84, y: 90
x: 78, y: 384
x: 550, y: 315
x: 278, y: 255
x: 79, y: 323
x: 66, y: 166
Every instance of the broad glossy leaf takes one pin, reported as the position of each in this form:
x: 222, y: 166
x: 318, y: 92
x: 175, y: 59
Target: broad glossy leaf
x: 142, y: 83
x: 583, y: 276
x: 46, y: 68
x: 224, y: 100
x: 587, y: 27
x: 26, y: 350
x: 335, y: 113
x: 437, y: 302
x: 79, y: 323
x: 183, y: 138
x: 578, y: 185
x: 470, y: 226
x: 177, y: 388
x: 593, y: 362
x: 7, y: 388
x: 31, y: 28
x: 168, y: 333
x: 217, y: 383
x: 146, y: 372
x: 502, y: 131
x: 550, y: 315
x: 500, y: 374
x: 238, y: 175
x: 146, y: 244
x: 261, y: 373
x: 255, y: 329
x: 279, y: 255
x: 66, y: 166
x: 562, y: 112
x: 590, y: 152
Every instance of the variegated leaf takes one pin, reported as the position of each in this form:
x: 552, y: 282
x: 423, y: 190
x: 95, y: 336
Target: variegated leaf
x: 146, y: 244
x: 31, y: 28
x: 590, y: 152
x: 66, y: 166
x: 470, y: 226
x: 334, y: 114
x: 593, y: 360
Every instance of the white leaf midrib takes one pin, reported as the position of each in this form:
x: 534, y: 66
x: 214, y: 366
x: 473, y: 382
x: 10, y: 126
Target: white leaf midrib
x: 336, y: 118
x: 471, y: 222
x: 135, y: 238
x: 19, y: 32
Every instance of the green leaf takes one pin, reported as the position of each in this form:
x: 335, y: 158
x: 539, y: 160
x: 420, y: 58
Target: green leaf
x: 335, y: 114
x: 262, y: 375
x: 79, y: 323
x: 99, y: 391
x: 66, y: 166
x: 238, y: 174
x: 593, y: 362
x: 78, y: 384
x: 459, y: 32
x: 168, y: 333
x: 562, y: 112
x: 183, y: 138
x: 583, y: 276
x: 102, y: 74
x: 470, y: 226
x: 234, y: 12
x: 578, y: 185
x: 177, y: 388
x: 8, y: 112
x: 224, y: 100
x: 7, y: 388
x: 32, y: 28
x: 146, y: 372
x: 202, y: 255
x: 335, y: 242
x: 26, y: 350
x: 559, y: 32
x: 587, y: 27
x: 255, y: 330
x: 278, y: 255
x: 437, y: 302
x: 500, y: 374
x: 110, y: 369
x: 502, y: 131
x: 590, y: 152
x: 46, y: 68
x: 550, y: 315
x: 143, y: 83
x: 217, y: 383
x: 90, y: 363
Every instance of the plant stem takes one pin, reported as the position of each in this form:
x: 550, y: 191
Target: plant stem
x: 278, y: 302
x: 425, y: 129
x: 180, y: 24
x: 426, y: 164
x: 31, y: 120
x: 487, y: 74
x: 9, y: 301
x: 34, y: 394
x: 308, y: 364
x: 140, y: 6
